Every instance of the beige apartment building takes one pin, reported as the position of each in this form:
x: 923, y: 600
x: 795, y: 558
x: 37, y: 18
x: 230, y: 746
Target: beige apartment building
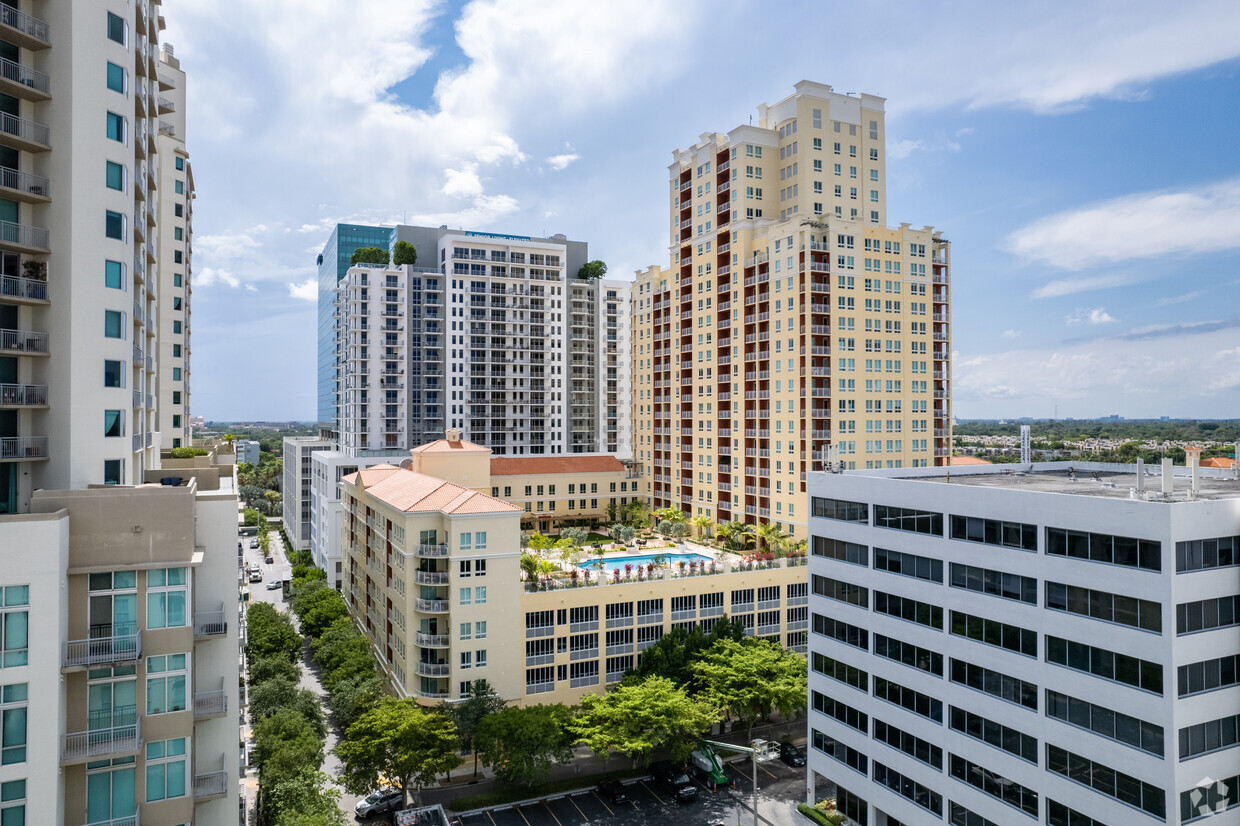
x: 432, y: 575
x: 567, y: 491
x: 791, y: 318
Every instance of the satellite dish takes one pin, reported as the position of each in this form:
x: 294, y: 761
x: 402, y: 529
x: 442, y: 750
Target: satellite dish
x: 406, y: 463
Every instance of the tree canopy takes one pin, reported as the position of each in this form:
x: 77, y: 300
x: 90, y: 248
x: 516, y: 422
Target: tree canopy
x: 469, y: 713
x: 369, y: 255
x: 635, y: 718
x: 404, y: 253
x: 750, y: 678
x: 592, y: 270
x: 522, y: 742
x: 400, y: 740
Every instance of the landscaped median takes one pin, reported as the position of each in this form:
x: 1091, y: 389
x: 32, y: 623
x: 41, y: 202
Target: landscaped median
x: 823, y: 813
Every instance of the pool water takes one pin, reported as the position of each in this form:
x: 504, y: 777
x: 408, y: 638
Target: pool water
x: 617, y: 563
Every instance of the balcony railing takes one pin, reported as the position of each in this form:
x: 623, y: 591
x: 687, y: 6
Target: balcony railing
x: 131, y: 820
x: 210, y: 704
x: 432, y: 669
x: 433, y: 640
x: 12, y: 286
x: 210, y: 785
x: 25, y: 23
x: 432, y: 550
x: 23, y: 235
x: 25, y: 76
x: 105, y: 647
x: 26, y: 130
x: 23, y: 395
x: 23, y: 341
x: 431, y: 605
x: 23, y: 181
x: 210, y: 623
x: 102, y: 743
x: 23, y: 447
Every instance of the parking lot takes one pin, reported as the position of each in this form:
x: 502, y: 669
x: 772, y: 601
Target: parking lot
x: 780, y: 788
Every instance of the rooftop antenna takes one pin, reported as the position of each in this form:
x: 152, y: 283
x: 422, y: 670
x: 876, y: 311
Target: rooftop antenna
x: 1026, y: 457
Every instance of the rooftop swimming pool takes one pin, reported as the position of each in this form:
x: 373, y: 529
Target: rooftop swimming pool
x: 617, y: 563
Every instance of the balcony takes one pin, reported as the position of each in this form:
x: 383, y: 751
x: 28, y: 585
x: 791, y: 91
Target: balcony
x: 23, y: 29
x: 102, y: 743
x: 432, y: 550
x: 210, y: 623
x: 23, y: 395
x: 211, y: 785
x: 23, y: 342
x: 433, y: 606
x: 24, y: 134
x: 104, y: 647
x: 165, y: 105
x: 24, y: 186
x: 432, y: 669
x: 433, y: 640
x: 23, y: 238
x: 23, y: 448
x: 131, y: 820
x: 24, y: 82
x: 208, y: 704
x: 430, y: 577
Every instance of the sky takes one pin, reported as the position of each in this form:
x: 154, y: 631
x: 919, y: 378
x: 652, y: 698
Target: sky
x: 1082, y: 157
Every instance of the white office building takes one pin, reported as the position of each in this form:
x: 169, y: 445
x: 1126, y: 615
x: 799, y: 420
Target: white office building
x: 1045, y: 643
x: 296, y: 486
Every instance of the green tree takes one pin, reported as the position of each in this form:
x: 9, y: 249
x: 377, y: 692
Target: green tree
x: 635, y: 718
x: 354, y: 695
x: 675, y: 652
x: 399, y: 740
x: 522, y: 742
x: 252, y: 517
x: 265, y: 669
x: 279, y: 693
x: 538, y: 542
x: 369, y: 255
x: 750, y: 678
x: 342, y: 652
x: 592, y: 270
x: 735, y: 535
x: 404, y: 253
x: 622, y: 533
x: 577, y: 536
x: 318, y: 606
x: 270, y: 633
x: 670, y: 514
x: 264, y: 543
x: 771, y: 536
x: 703, y: 526
x: 639, y: 514
x: 286, y: 743
x: 677, y: 530
x: 305, y: 799
x: 467, y: 714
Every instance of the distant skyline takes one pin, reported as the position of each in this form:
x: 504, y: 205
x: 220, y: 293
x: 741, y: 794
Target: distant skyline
x: 1082, y: 159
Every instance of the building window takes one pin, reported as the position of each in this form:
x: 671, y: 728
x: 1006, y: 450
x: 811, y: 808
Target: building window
x: 176, y: 303
x: 176, y: 351
x: 180, y: 163
x: 113, y: 373
x: 114, y: 274
x: 115, y: 176
x: 166, y: 598
x: 176, y: 279
x: 114, y: 225
x: 113, y: 423
x: 165, y: 684
x: 113, y: 324
x: 176, y: 327
x: 467, y: 660
x: 116, y: 127
x: 176, y: 371
x: 178, y: 257
x: 13, y: 803
x: 14, y: 638
x: 176, y: 396
x: 178, y: 210
x: 467, y: 595
x: 166, y: 766
x: 178, y: 234
x: 117, y: 28
x: 113, y: 470
x: 480, y: 595
x: 480, y: 630
x: 116, y: 78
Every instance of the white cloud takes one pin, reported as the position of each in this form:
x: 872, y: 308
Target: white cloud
x: 559, y: 162
x: 903, y: 148
x: 1097, y: 315
x: 1145, y: 225
x: 463, y: 182
x: 1179, y: 299
x: 1011, y: 333
x: 208, y: 277
x: 1108, y: 375
x: 1068, y: 286
x: 307, y: 290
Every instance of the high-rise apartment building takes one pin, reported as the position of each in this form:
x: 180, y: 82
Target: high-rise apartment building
x: 118, y: 668
x: 1056, y: 644
x: 297, y: 484
x: 176, y: 228
x: 791, y: 317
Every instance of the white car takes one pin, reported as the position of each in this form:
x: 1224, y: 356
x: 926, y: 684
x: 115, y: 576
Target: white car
x: 377, y: 803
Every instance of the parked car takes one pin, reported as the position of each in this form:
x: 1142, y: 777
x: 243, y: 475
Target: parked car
x: 791, y: 755
x: 675, y: 781
x: 613, y: 790
x: 270, y: 559
x: 253, y: 543
x: 380, y: 802
x: 256, y: 576
x: 273, y: 584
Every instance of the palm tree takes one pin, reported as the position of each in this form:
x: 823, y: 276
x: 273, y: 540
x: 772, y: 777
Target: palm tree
x: 670, y: 514
x: 735, y: 535
x: 770, y: 535
x: 703, y: 525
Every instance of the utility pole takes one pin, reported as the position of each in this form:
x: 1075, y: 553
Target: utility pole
x: 753, y: 755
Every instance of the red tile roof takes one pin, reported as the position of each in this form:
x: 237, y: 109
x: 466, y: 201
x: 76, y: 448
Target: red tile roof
x: 413, y: 492
x: 538, y: 465
x: 969, y: 460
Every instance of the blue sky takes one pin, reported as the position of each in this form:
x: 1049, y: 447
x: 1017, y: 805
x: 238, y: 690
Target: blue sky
x: 1082, y: 157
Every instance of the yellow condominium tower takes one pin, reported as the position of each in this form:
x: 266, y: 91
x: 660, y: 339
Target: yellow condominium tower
x: 791, y: 318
